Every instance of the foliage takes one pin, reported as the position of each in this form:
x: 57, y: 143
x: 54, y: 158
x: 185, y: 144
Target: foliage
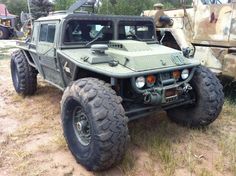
x: 116, y: 7
x: 133, y: 7
x: 120, y: 7
x: 125, y: 7
x: 40, y: 8
x: 63, y: 4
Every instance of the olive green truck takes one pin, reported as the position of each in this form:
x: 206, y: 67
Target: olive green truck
x: 112, y: 70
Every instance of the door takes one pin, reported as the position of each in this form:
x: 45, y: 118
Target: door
x: 212, y: 21
x: 46, y: 50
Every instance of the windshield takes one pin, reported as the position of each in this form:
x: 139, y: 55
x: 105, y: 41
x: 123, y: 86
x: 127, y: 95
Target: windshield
x: 136, y: 30
x: 216, y: 1
x: 85, y: 31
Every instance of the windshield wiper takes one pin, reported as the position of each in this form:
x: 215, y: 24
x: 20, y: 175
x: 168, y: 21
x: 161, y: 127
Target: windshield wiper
x: 96, y: 37
x: 139, y: 39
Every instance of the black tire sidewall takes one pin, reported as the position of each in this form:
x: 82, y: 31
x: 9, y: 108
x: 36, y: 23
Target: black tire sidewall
x: 109, y: 130
x: 209, y: 101
x: 14, y: 74
x: 26, y: 74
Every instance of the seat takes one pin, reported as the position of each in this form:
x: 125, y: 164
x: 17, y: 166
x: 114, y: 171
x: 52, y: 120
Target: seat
x: 122, y: 35
x: 108, y: 34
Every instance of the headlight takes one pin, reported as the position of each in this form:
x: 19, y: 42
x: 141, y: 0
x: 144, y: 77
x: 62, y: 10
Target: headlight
x: 185, y: 74
x: 140, y: 82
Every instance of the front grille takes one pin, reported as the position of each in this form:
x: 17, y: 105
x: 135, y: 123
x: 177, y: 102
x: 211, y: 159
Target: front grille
x: 165, y: 76
x: 166, y: 79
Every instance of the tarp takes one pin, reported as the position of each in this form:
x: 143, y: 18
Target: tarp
x: 4, y: 11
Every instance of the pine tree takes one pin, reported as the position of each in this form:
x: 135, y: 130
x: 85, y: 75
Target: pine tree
x: 40, y: 8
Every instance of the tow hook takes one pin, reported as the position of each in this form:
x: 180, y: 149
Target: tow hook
x: 187, y: 87
x: 152, y: 98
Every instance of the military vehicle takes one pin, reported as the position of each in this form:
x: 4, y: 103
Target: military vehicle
x: 205, y: 28
x: 8, y: 24
x: 112, y: 70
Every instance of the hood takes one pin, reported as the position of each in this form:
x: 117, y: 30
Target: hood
x: 140, y: 56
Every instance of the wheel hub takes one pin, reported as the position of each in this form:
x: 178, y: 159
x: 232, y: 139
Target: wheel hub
x: 81, y: 126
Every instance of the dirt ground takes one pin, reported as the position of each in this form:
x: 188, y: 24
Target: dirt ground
x: 31, y: 140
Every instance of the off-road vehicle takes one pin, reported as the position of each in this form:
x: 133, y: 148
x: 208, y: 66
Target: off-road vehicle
x: 112, y: 70
x: 8, y: 24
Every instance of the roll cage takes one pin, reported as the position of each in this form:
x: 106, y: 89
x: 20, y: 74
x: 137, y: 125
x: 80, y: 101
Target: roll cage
x: 115, y: 20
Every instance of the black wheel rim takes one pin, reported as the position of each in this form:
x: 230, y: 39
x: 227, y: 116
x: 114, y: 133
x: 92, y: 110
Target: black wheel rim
x: 81, y: 126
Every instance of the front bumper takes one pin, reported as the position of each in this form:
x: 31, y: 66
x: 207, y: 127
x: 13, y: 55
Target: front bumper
x: 166, y: 94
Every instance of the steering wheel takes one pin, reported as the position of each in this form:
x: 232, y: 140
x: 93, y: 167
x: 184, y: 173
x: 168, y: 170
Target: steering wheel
x: 134, y: 36
x: 130, y: 36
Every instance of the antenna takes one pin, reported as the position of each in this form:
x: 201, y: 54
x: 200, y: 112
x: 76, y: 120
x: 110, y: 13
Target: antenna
x: 81, y: 3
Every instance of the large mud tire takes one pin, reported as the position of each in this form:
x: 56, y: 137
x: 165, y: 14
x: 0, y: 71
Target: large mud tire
x: 106, y: 124
x: 209, y: 101
x: 24, y: 76
x: 4, y: 33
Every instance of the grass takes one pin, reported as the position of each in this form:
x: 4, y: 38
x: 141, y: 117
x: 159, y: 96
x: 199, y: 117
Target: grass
x: 205, y: 172
x: 227, y: 144
x: 169, y: 146
x: 128, y: 163
x: 4, y: 53
x: 172, y: 147
x: 59, y: 141
x: 3, y: 56
x: 157, y: 142
x: 176, y: 147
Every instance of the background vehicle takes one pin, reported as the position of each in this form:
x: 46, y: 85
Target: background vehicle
x: 112, y: 70
x: 7, y: 24
x: 208, y: 27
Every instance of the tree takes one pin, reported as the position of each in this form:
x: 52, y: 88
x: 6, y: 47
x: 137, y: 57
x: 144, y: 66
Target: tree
x: 63, y: 4
x: 125, y: 7
x: 135, y: 7
x: 3, y: 2
x: 40, y: 8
